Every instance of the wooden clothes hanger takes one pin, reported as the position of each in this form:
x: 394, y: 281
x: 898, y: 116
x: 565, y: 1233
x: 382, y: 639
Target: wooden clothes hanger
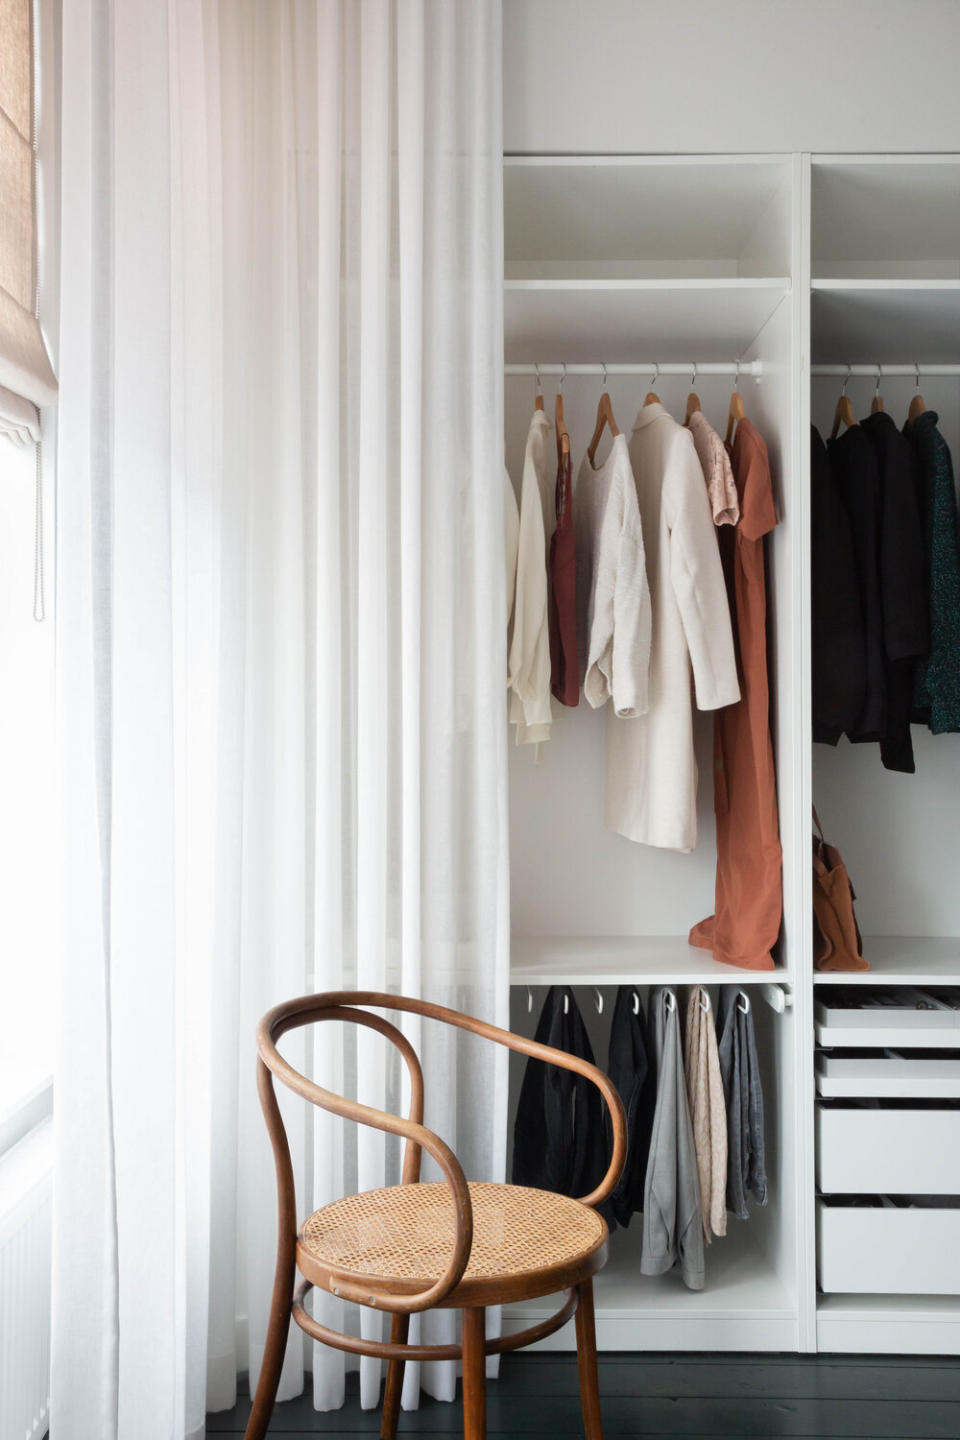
x: 843, y: 414
x: 604, y: 417
x: 563, y: 437
x: 736, y: 413
x: 876, y: 404
x: 917, y: 404
x: 651, y: 397
x: 693, y: 399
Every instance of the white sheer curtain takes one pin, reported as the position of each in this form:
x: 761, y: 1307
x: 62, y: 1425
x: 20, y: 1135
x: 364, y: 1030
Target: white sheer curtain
x: 281, y: 637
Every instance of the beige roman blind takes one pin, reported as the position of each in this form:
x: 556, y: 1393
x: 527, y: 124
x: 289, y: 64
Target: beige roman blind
x: 26, y: 376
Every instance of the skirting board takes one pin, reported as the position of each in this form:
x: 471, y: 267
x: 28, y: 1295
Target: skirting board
x: 647, y: 1331
x: 888, y: 1325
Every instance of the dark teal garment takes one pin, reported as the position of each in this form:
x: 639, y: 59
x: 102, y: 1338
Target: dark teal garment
x: 937, y: 694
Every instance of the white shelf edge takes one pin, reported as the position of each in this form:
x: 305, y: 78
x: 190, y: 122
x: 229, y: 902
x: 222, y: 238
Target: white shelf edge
x: 664, y: 283
x: 729, y: 976
x: 864, y: 286
x: 899, y: 158
x: 542, y: 960
x: 519, y: 159
x: 936, y: 962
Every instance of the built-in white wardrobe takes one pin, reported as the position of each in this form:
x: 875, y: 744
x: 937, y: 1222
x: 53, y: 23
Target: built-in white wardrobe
x: 788, y: 266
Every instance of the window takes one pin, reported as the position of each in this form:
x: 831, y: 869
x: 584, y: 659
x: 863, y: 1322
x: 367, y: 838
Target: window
x: 28, y: 862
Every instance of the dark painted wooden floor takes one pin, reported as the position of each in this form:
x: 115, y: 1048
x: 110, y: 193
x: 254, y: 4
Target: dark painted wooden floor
x: 702, y: 1397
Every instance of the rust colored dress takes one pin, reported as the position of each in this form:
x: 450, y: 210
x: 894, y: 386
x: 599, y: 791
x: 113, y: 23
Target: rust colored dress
x: 564, y: 669
x: 749, y: 892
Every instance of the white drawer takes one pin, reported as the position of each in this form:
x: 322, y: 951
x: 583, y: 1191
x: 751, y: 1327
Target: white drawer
x: 880, y: 1251
x: 901, y: 1028
x: 888, y: 1077
x: 888, y: 1152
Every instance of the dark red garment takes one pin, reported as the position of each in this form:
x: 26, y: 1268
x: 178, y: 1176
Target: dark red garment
x: 564, y: 670
x: 746, y: 923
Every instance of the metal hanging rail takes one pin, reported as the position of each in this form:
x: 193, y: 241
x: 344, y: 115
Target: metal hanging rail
x: 871, y: 372
x: 725, y: 367
x: 649, y: 367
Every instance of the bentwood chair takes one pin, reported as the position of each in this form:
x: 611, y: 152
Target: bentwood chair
x: 425, y: 1245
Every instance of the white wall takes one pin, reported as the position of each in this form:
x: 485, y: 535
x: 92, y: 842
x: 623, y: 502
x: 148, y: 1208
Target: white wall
x: 757, y: 75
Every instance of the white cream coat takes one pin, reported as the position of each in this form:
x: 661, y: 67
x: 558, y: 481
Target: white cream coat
x: 651, y: 789
x: 529, y: 668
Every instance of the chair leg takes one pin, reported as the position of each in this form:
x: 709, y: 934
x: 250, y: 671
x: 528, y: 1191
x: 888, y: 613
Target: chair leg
x: 587, y: 1362
x: 281, y: 1306
x: 474, y: 1374
x: 399, y: 1328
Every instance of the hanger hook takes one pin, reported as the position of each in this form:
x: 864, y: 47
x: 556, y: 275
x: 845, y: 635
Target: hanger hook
x: 529, y: 1001
x: 736, y: 378
x: 704, y: 1000
x: 599, y: 996
x: 636, y: 1003
x: 670, y: 1000
x: 536, y: 368
x: 916, y: 366
x: 563, y: 374
x: 656, y: 376
x: 876, y: 388
x: 843, y: 387
x: 743, y: 1004
x: 604, y: 368
x: 566, y: 1004
x: 693, y: 377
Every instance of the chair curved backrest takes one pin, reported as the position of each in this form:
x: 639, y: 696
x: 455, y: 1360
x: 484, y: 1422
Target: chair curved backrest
x: 346, y: 1005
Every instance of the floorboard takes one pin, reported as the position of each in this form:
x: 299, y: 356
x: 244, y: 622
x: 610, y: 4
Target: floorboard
x: 699, y: 1397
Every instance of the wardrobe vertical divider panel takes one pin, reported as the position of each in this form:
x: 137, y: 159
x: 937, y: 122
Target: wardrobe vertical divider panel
x: 800, y: 831
x: 777, y: 407
x: 669, y: 259
x: 885, y: 290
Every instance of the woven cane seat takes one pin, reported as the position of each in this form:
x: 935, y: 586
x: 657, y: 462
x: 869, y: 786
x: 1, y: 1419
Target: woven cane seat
x: 525, y: 1242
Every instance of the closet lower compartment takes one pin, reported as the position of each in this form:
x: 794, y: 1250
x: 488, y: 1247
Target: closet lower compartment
x: 885, y: 1151
x: 888, y: 1250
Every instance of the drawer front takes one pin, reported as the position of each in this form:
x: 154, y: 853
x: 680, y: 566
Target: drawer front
x: 888, y: 1252
x: 907, y: 1029
x: 888, y: 1077
x: 888, y: 1152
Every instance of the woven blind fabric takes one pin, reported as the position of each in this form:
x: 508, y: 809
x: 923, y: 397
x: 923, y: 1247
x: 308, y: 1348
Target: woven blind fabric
x: 25, y: 370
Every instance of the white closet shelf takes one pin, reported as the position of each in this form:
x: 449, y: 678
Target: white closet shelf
x: 902, y: 960
x: 624, y: 960
x: 866, y: 321
x: 615, y: 320
x: 647, y: 210
x: 745, y: 1304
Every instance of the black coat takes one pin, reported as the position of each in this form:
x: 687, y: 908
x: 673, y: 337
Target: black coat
x: 838, y: 657
x: 631, y: 1072
x: 903, y: 585
x: 857, y: 479
x: 558, y: 1136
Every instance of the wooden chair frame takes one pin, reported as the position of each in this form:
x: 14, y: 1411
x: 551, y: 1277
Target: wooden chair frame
x: 286, y: 1301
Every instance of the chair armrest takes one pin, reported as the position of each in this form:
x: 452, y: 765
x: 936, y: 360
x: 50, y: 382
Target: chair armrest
x: 308, y: 1007
x: 413, y: 1131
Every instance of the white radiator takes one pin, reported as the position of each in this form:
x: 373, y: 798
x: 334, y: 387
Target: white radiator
x: 25, y: 1201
